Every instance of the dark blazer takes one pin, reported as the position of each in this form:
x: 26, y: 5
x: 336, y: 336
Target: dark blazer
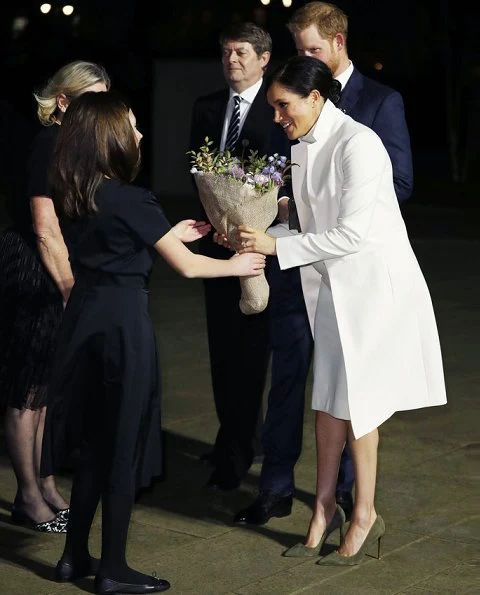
x: 381, y: 108
x: 259, y: 129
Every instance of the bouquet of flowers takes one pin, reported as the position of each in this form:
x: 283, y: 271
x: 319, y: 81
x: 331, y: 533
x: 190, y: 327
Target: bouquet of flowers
x: 240, y: 191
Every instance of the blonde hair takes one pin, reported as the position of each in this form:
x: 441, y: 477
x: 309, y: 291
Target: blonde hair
x: 327, y: 18
x: 71, y: 80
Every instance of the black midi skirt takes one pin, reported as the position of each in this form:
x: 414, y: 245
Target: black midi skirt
x: 105, y: 389
x: 30, y: 314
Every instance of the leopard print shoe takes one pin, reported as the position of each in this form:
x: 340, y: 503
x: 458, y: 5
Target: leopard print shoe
x: 56, y: 525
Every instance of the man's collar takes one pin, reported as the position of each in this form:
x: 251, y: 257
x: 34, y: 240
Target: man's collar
x: 345, y: 75
x: 248, y: 94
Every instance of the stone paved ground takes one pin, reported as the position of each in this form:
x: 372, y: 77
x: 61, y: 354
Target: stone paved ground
x: 428, y: 480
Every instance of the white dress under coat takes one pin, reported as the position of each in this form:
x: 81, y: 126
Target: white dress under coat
x: 377, y: 348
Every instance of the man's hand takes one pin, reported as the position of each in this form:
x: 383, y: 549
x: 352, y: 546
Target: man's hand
x: 282, y: 215
x: 222, y: 240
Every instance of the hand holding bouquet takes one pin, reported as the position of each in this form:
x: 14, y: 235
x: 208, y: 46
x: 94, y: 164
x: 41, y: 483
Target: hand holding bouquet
x: 236, y: 191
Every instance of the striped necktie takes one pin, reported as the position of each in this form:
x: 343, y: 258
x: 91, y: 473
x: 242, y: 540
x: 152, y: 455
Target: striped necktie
x: 234, y: 126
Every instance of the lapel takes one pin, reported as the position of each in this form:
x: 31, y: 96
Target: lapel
x: 351, y: 92
x: 325, y: 127
x: 215, y: 116
x: 299, y: 161
x: 257, y: 123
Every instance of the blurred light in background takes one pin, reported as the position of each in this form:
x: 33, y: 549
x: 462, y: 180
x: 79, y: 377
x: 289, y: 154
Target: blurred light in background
x: 67, y: 9
x: 19, y: 24
x: 378, y: 66
x: 286, y: 3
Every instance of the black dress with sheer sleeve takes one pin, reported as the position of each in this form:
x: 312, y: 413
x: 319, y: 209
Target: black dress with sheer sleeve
x: 30, y: 303
x: 105, y: 389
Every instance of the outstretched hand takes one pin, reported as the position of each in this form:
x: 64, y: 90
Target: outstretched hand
x: 248, y: 265
x: 246, y: 239
x: 190, y: 230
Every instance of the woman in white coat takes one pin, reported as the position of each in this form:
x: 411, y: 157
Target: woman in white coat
x: 376, y: 342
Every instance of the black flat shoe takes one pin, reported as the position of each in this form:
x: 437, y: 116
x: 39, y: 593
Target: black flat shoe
x: 66, y: 572
x: 266, y: 506
x: 103, y: 586
x: 20, y: 517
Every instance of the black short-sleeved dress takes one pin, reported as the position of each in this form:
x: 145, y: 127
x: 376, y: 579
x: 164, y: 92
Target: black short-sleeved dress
x: 105, y: 390
x: 30, y: 303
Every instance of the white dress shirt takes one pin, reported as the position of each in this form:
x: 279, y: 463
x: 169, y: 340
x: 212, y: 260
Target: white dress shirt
x: 248, y: 97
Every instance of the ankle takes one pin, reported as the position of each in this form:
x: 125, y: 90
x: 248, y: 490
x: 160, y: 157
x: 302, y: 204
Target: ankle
x: 53, y: 497
x: 364, y: 518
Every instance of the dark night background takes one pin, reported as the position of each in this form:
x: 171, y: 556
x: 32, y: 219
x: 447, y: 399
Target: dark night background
x: 429, y: 51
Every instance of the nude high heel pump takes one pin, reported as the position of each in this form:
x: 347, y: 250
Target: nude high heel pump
x: 376, y: 533
x: 299, y: 550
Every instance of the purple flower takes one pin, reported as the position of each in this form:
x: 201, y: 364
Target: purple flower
x: 269, y: 170
x: 277, y: 178
x: 237, y: 172
x: 261, y: 179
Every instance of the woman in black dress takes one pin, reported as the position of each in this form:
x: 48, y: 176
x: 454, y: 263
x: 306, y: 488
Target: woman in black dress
x: 105, y: 385
x: 35, y: 278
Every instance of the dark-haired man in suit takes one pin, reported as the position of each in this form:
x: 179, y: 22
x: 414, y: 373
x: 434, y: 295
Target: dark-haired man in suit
x: 239, y: 344
x: 320, y: 29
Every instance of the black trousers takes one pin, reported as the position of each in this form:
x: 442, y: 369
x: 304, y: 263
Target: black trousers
x: 239, y: 350
x: 292, y: 349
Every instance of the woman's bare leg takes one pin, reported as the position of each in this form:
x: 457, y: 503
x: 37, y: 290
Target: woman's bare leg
x: 330, y: 435
x: 20, y: 437
x: 364, y: 454
x: 47, y: 484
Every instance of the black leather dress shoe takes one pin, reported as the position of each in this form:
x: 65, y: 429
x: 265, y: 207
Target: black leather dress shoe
x: 222, y: 482
x: 105, y: 586
x: 345, y: 500
x: 66, y: 571
x: 208, y: 458
x: 266, y: 506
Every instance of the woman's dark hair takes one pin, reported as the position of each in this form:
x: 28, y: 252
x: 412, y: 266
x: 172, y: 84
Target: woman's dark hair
x: 303, y: 74
x: 96, y: 140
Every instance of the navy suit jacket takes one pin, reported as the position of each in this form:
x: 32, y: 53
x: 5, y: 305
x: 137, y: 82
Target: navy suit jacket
x: 381, y: 108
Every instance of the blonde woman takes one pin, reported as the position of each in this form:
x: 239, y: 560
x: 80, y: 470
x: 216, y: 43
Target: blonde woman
x: 35, y: 283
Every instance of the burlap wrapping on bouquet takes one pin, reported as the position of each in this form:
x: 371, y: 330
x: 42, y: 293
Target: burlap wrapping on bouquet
x: 228, y: 204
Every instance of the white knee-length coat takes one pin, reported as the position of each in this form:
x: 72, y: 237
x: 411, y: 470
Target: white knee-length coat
x: 351, y: 222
